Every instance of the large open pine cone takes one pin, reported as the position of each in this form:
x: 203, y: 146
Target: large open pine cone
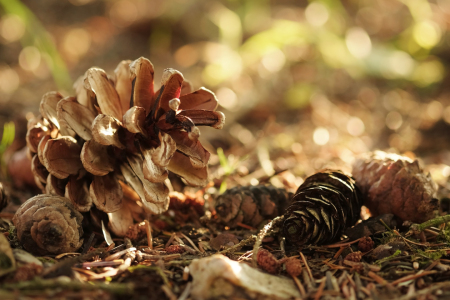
x: 322, y: 207
x: 118, y: 129
x: 395, y: 184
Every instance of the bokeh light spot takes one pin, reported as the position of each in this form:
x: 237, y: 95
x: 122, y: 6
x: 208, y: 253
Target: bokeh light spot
x: 427, y: 34
x: 355, y: 126
x: 29, y: 58
x: 76, y: 42
x: 123, y: 13
x: 434, y: 110
x: 316, y: 14
x: 187, y: 56
x: 12, y: 28
x: 321, y: 136
x: 401, y: 64
x: 358, y: 42
x: 274, y: 61
x: 227, y: 98
x: 394, y: 120
x: 9, y: 80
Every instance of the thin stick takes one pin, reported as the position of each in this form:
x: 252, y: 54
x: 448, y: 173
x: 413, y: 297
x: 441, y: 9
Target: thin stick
x: 190, y: 241
x: 306, y: 266
x: 419, y: 274
x: 148, y: 229
x: 169, y: 242
x: 377, y: 278
x: 300, y: 286
x: 343, y: 244
x: 320, y: 290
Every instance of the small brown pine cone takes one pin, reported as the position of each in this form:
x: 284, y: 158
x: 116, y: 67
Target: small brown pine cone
x: 354, y: 256
x: 267, y: 261
x: 365, y: 244
x: 136, y: 232
x: 48, y: 224
x: 293, y: 266
x: 184, y: 202
x: 27, y: 272
x: 172, y: 249
x: 394, y: 184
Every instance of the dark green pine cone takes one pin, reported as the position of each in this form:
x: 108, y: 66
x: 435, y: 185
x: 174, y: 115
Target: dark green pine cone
x: 251, y: 205
x: 323, y: 206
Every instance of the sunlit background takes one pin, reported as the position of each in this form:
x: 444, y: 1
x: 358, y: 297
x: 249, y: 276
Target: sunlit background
x: 304, y: 84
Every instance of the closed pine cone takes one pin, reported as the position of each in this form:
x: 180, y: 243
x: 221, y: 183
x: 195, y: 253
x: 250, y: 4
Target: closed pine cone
x: 395, y: 184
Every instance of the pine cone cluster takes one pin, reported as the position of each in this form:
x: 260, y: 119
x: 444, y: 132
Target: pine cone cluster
x: 322, y: 207
x: 251, y: 205
x: 395, y: 184
x: 119, y: 131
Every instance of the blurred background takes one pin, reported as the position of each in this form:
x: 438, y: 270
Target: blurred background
x: 304, y: 84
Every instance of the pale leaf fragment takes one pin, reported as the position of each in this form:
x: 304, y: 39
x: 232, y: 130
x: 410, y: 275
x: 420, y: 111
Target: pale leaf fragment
x: 218, y: 277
